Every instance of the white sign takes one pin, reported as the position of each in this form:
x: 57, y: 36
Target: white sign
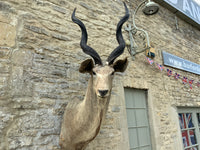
x: 180, y: 63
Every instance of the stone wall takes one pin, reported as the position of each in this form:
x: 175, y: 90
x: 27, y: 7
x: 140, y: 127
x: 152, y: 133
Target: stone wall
x: 39, y: 60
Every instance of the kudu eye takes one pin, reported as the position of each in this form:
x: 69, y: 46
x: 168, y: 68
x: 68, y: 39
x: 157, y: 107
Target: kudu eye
x: 94, y: 73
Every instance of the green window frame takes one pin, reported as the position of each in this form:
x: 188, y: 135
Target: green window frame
x: 137, y: 119
x: 189, y: 122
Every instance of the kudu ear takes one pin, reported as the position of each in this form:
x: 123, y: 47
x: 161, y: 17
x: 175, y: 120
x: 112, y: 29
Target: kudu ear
x: 120, y: 65
x: 86, y: 66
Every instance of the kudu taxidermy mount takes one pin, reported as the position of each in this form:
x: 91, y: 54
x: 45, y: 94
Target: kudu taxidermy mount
x: 82, y: 120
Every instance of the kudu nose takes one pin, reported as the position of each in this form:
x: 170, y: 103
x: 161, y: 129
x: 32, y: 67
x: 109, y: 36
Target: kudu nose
x: 103, y: 92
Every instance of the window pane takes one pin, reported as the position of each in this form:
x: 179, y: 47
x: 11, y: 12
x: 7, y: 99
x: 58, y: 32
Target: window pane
x: 129, y: 100
x: 192, y: 137
x: 143, y: 136
x: 131, y: 117
x: 185, y: 120
x: 194, y: 148
x: 182, y: 120
x: 185, y: 139
x: 133, y: 138
x: 140, y: 99
x: 141, y: 117
x: 189, y: 120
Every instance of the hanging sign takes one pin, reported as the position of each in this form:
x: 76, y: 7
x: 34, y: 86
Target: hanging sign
x: 180, y: 63
x: 188, y: 8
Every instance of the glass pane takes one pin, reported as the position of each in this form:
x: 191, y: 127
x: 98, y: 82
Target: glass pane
x: 182, y: 121
x: 140, y: 99
x: 141, y: 117
x: 131, y: 117
x: 189, y: 120
x: 198, y: 118
x: 185, y: 139
x: 194, y: 148
x: 129, y: 98
x: 192, y: 137
x: 133, y: 140
x: 143, y: 136
x: 185, y: 120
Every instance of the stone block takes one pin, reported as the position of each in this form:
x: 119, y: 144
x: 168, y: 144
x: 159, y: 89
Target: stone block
x: 59, y: 9
x: 40, y: 56
x: 115, y: 109
x: 37, y: 29
x: 8, y: 34
x: 5, y: 7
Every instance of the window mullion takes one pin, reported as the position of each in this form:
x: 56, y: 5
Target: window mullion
x: 188, y: 129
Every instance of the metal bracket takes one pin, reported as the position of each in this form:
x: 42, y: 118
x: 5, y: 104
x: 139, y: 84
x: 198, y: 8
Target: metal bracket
x: 133, y: 46
x: 132, y: 30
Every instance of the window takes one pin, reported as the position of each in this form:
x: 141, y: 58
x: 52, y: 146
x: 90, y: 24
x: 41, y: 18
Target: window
x: 189, y: 121
x: 137, y: 118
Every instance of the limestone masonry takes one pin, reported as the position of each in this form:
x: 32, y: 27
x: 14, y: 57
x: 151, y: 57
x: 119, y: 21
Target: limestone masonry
x: 39, y: 61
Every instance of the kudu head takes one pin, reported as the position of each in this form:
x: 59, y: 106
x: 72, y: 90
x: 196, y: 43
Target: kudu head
x: 102, y: 74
